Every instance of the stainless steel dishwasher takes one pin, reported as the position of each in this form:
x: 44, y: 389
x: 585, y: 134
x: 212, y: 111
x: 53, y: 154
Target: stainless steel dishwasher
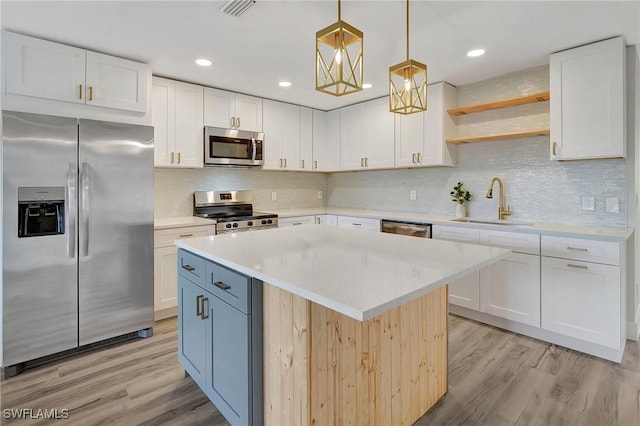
x: 413, y: 229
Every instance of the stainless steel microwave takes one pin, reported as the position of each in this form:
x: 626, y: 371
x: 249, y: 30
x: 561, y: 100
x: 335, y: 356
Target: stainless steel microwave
x: 230, y: 147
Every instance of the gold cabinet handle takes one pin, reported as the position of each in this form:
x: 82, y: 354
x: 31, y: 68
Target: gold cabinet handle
x: 296, y: 223
x: 238, y: 118
x: 413, y: 158
x: 186, y: 235
x: 281, y: 162
x: 199, y: 305
x: 318, y: 220
x: 571, y: 265
x: 361, y: 162
x: 285, y: 163
x: 232, y: 120
x: 419, y: 158
x: 302, y: 164
x: 90, y: 93
x: 204, y: 315
x: 577, y: 249
x: 356, y: 224
x: 315, y: 164
x: 179, y: 157
x: 366, y: 161
x: 554, y: 148
x: 172, y: 158
x: 80, y: 92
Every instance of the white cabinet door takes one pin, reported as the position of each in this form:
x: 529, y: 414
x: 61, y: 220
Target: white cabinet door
x: 582, y: 300
x: 365, y: 223
x: 327, y: 219
x: 248, y: 113
x: 409, y: 139
x: 438, y: 126
x: 326, y: 140
x: 306, y: 139
x: 297, y: 220
x: 588, y: 105
x: 281, y: 136
x: 162, y: 113
x: 510, y: 289
x: 44, y: 69
x: 352, y: 134
x: 465, y: 291
x: 189, y: 124
x: 165, y: 278
x: 219, y: 108
x: 379, y: 146
x: 116, y: 83
x: 290, y: 142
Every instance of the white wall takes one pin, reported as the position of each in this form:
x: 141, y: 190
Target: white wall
x: 174, y: 188
x: 633, y: 137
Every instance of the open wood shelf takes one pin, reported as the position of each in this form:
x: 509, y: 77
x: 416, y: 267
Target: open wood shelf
x: 499, y: 136
x: 504, y: 103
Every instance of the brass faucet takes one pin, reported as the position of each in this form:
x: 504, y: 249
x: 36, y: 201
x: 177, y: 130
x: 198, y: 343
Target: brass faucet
x: 502, y: 211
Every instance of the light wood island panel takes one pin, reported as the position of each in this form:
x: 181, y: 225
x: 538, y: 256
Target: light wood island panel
x: 325, y: 368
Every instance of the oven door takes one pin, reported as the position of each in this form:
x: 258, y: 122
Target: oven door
x: 228, y: 147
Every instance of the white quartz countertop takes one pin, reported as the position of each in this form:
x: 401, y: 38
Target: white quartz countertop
x: 534, y: 227
x: 357, y: 273
x: 180, y: 222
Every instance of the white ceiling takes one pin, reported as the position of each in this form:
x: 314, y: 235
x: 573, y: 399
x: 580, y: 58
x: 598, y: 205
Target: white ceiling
x: 275, y: 40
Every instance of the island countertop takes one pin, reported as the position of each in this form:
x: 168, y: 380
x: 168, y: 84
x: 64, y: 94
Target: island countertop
x: 357, y: 273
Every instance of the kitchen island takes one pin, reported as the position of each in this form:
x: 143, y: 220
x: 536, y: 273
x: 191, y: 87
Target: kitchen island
x: 354, y: 323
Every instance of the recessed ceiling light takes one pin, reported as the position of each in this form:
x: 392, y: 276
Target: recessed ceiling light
x: 284, y: 84
x: 475, y: 53
x: 203, y: 62
x: 367, y: 86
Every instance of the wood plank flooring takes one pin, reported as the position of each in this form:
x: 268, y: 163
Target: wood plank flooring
x: 495, y: 378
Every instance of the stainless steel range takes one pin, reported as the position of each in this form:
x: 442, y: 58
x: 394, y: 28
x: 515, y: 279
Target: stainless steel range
x: 232, y: 211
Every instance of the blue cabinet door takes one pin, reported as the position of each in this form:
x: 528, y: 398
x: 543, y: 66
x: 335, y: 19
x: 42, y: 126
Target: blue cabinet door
x: 192, y: 331
x: 229, y: 378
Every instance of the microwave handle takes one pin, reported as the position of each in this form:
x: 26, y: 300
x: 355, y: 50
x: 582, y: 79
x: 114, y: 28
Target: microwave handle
x: 254, y: 149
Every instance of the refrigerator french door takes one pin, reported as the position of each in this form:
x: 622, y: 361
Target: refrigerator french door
x: 85, y: 275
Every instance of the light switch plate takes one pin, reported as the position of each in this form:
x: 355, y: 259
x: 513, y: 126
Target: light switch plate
x: 273, y: 196
x: 412, y: 194
x: 612, y: 205
x: 588, y: 204
x: 319, y: 195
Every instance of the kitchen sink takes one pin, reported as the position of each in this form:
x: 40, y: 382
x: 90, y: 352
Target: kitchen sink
x: 492, y: 222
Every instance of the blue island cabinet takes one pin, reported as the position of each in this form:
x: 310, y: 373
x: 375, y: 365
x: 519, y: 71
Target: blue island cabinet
x: 220, y: 336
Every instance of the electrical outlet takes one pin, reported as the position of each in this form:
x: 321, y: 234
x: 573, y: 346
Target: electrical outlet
x: 588, y: 204
x: 612, y: 205
x: 273, y: 196
x: 412, y: 195
x: 319, y: 195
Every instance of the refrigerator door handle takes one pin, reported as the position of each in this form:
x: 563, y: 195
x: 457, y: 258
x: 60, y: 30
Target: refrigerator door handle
x: 70, y: 207
x: 84, y: 207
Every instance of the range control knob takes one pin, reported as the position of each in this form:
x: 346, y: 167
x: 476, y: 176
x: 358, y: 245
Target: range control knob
x: 249, y: 223
x: 235, y: 225
x: 269, y: 221
x: 264, y: 222
x: 228, y: 225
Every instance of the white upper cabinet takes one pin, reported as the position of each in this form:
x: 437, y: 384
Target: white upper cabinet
x: 367, y: 136
x: 421, y: 137
x: 116, y: 83
x: 177, y: 118
x: 43, y: 69
x: 326, y: 140
x: 588, y: 104
x: 306, y: 139
x: 281, y: 136
x: 232, y: 110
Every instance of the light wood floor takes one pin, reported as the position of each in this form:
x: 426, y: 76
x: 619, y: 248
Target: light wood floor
x: 495, y: 378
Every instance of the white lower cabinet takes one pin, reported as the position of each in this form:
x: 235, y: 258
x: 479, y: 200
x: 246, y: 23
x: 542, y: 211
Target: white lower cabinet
x: 327, y: 219
x: 464, y: 292
x: 510, y: 288
x: 368, y: 224
x: 165, y: 256
x: 297, y: 220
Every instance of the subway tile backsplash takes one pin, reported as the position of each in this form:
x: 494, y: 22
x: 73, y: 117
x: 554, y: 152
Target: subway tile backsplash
x: 174, y: 188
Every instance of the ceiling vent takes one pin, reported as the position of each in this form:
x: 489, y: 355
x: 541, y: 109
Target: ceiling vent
x: 236, y: 7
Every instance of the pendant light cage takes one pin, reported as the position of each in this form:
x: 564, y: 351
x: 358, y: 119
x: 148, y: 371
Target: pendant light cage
x: 408, y: 87
x: 408, y: 84
x: 339, y: 58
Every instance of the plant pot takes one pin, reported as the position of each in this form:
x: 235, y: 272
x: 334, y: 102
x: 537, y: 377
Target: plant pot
x: 461, y: 210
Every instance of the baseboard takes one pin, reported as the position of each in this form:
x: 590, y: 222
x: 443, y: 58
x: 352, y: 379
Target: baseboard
x: 165, y: 313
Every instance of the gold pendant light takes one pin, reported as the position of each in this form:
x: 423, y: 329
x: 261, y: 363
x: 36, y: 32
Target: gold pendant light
x: 408, y: 84
x: 339, y: 58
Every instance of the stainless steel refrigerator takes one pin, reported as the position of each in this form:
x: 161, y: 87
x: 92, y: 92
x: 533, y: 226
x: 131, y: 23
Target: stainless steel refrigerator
x: 77, y: 234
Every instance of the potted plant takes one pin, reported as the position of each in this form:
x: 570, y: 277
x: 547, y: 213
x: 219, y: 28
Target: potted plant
x: 460, y: 195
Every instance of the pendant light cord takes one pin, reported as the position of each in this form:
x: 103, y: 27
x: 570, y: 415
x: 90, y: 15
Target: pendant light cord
x: 339, y: 10
x: 407, y: 28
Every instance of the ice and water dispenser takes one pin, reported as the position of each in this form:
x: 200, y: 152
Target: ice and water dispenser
x: 40, y: 211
